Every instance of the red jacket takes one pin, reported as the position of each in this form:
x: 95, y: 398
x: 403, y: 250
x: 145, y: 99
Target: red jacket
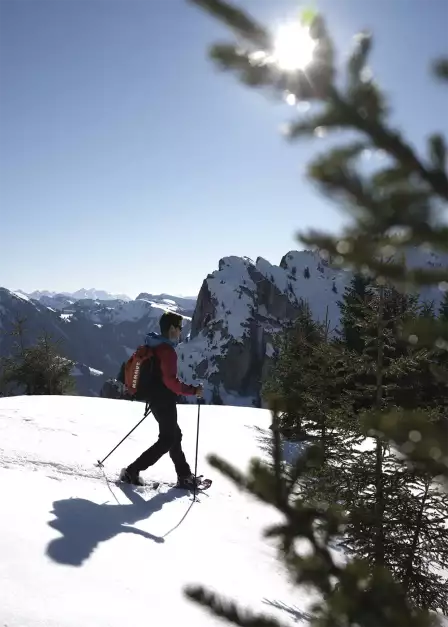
x: 167, y: 358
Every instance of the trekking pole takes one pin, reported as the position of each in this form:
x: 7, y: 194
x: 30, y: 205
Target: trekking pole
x: 197, y: 447
x: 100, y: 464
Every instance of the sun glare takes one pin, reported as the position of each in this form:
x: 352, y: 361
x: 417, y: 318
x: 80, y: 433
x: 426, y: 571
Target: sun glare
x: 293, y: 47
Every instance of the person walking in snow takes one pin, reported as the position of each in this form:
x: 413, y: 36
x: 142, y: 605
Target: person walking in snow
x: 165, y: 388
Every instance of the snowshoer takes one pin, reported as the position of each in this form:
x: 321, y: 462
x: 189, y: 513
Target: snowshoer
x: 162, y: 393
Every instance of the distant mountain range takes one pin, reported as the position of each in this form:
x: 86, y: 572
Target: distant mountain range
x: 98, y: 335
x: 81, y: 294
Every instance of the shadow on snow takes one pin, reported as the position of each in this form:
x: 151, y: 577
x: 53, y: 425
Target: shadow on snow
x: 84, y: 524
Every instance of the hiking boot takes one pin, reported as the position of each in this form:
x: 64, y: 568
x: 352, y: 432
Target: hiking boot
x: 129, y: 476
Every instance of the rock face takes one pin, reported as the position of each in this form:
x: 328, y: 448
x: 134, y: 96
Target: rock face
x: 240, y: 308
x: 243, y: 305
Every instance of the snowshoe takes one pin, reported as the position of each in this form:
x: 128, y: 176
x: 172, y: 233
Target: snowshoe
x: 188, y: 483
x: 130, y: 477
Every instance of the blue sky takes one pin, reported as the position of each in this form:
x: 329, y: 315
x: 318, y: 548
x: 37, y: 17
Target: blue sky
x: 129, y: 163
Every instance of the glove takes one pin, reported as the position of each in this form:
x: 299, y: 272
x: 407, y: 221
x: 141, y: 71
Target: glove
x: 199, y: 391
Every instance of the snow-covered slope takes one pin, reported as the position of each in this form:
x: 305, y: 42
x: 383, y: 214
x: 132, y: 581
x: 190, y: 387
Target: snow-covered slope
x: 76, y: 550
x: 183, y: 304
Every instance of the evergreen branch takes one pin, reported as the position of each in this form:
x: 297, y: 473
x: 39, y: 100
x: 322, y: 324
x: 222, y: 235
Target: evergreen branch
x: 358, y: 58
x: 229, y: 58
x: 418, y: 527
x: 260, y: 481
x: 228, y: 609
x: 361, y: 111
x: 367, y: 98
x: 430, y: 276
x: 437, y: 151
x: 423, y: 443
x: 439, y: 373
x: 390, y: 141
x: 235, y: 19
x: 345, y: 182
x: 437, y: 235
x: 328, y: 119
x: 364, y: 254
x: 228, y: 471
x: 378, y: 208
x: 395, y: 175
x: 440, y: 69
x: 340, y: 155
x: 380, y: 486
x: 280, y: 492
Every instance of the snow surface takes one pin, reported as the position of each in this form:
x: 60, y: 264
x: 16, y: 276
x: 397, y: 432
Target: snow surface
x: 77, y: 550
x: 96, y: 373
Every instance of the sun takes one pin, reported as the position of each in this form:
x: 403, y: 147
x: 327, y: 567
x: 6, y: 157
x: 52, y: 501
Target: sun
x: 293, y: 47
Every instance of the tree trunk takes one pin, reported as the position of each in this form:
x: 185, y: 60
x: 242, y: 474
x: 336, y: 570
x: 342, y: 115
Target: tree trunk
x: 418, y: 525
x: 379, y: 504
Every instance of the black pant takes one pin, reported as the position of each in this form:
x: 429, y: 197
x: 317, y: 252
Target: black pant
x: 170, y: 438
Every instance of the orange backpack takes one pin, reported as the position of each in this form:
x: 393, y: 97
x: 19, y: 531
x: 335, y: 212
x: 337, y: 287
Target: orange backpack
x: 138, y: 371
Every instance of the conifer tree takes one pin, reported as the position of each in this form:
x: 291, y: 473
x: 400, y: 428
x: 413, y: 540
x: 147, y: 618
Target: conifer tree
x: 289, y: 375
x: 37, y: 369
x: 307, y: 383
x: 393, y: 207
x: 352, y: 307
x: 408, y: 378
x: 427, y: 310
x: 443, y: 311
x: 391, y: 506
